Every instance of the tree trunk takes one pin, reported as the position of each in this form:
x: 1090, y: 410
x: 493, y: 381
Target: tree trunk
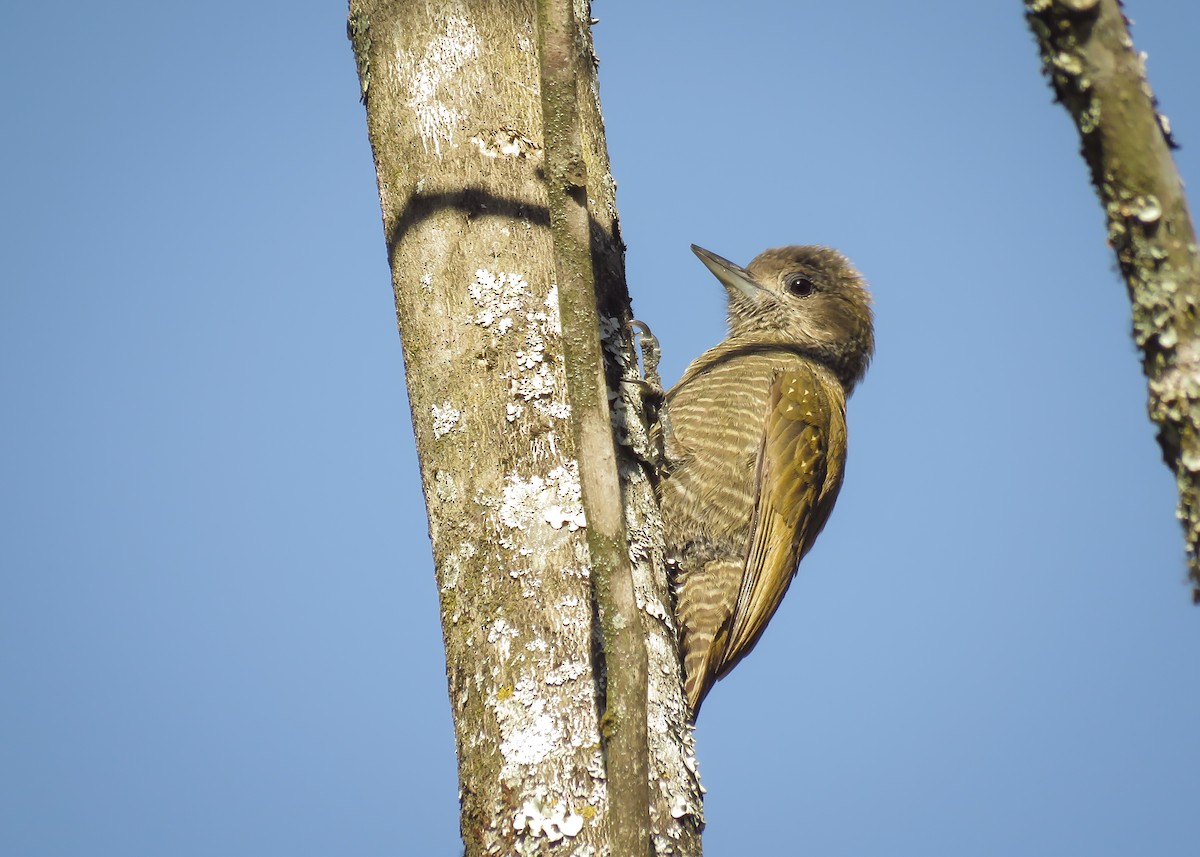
x: 1101, y: 81
x: 456, y: 126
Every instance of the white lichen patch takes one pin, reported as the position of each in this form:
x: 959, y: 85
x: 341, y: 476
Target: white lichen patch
x: 497, y: 295
x: 689, y: 752
x: 552, y: 499
x: 534, y: 353
x: 445, y: 418
x: 528, y: 730
x: 520, y: 500
x: 537, y: 384
x: 612, y: 340
x: 571, y: 611
x: 540, y: 389
x: 564, y: 673
x: 595, y: 766
x: 437, y: 80
x: 565, y: 479
x: 536, y: 381
x: 554, y: 409
x: 500, y: 306
x: 572, y: 519
x: 529, y: 359
x: 531, y: 583
x: 528, y: 735
x: 505, y: 143
x: 501, y: 633
x: 449, y: 572
x: 552, y: 318
x: 538, y: 817
x: 681, y: 806
x: 655, y: 608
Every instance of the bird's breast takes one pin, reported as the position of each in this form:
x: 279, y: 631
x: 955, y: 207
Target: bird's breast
x: 716, y: 420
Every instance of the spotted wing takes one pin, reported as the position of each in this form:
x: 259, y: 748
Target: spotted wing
x: 799, y: 473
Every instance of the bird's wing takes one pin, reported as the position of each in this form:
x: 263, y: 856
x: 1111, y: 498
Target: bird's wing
x: 799, y: 472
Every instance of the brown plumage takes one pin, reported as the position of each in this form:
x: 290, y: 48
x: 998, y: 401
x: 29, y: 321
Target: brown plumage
x: 755, y: 440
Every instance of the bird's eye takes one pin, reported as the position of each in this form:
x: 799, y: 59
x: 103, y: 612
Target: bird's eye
x: 800, y: 285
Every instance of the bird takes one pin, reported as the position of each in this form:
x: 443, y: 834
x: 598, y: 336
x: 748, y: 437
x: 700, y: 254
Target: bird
x: 754, y: 446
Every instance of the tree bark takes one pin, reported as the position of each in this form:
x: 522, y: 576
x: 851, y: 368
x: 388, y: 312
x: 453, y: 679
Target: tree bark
x: 623, y: 722
x: 455, y: 124
x: 1101, y: 80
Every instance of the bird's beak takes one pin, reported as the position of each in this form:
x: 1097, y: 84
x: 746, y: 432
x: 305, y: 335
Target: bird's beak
x: 733, y: 277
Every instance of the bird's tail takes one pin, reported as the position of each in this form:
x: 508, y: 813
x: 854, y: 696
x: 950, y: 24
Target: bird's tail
x: 705, y: 602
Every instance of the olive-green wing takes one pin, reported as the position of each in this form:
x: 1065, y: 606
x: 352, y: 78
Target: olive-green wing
x: 799, y: 472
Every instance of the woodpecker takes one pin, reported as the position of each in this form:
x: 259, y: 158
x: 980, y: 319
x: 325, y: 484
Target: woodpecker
x: 754, y: 437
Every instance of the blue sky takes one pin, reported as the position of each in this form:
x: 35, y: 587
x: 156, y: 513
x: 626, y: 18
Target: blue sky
x: 218, y: 620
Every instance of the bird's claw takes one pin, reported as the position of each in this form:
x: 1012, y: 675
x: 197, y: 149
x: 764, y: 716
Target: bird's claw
x: 654, y: 397
x: 647, y: 343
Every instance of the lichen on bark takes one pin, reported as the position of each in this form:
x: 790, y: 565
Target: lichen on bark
x: 1098, y: 76
x: 455, y: 127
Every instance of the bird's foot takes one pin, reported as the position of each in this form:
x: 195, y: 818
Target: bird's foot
x: 651, y: 352
x: 659, y: 456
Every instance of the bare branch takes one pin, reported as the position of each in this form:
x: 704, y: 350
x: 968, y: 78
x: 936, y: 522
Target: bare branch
x: 1101, y: 80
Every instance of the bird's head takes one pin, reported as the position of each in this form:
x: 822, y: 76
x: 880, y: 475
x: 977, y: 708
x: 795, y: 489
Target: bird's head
x: 808, y: 297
